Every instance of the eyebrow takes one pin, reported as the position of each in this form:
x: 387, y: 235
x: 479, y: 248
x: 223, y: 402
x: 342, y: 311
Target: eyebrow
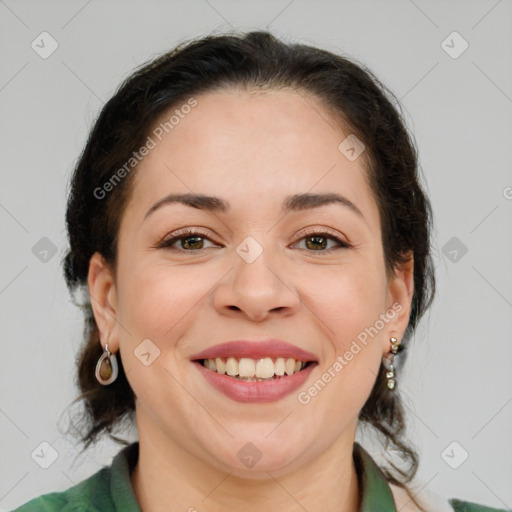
x: 295, y: 202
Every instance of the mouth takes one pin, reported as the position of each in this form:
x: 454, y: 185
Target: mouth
x: 255, y: 370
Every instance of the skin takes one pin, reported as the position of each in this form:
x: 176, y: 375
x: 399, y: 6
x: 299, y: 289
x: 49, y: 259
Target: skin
x: 252, y: 150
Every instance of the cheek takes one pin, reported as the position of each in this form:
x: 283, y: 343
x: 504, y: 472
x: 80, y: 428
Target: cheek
x: 156, y: 297
x: 358, y: 350
x: 157, y: 305
x: 346, y: 300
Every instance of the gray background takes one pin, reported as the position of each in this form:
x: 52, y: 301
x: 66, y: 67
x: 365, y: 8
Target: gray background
x: 457, y: 383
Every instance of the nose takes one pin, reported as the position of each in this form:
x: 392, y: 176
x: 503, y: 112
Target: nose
x: 258, y: 289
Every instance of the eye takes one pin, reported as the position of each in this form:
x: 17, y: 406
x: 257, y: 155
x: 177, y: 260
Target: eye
x: 192, y: 241
x: 318, y: 241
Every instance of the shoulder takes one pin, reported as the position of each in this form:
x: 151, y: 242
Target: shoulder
x: 46, y: 503
x: 91, y: 495
x: 431, y: 502
x: 466, y: 506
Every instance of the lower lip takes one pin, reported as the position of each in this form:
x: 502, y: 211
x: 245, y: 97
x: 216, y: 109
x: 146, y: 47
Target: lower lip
x: 255, y: 392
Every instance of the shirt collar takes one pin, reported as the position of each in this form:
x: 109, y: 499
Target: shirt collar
x: 121, y: 490
x: 376, y: 494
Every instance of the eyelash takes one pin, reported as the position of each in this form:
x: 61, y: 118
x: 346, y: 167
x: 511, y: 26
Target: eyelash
x: 190, y: 233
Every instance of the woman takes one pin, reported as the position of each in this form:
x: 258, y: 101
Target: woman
x: 248, y: 220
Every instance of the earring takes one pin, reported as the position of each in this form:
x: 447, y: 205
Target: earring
x: 388, y: 361
x: 106, y: 367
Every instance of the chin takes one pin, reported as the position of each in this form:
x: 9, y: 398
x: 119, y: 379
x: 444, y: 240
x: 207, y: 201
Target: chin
x: 254, y: 460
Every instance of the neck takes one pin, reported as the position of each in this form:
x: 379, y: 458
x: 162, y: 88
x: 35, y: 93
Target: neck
x: 168, y: 477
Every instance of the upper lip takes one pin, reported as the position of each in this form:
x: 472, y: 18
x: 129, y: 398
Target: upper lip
x: 256, y: 350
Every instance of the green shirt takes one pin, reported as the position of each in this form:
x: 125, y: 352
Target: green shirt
x: 110, y: 489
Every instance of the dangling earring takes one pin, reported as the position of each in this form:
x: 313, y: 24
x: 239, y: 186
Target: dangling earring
x: 106, y: 367
x: 389, y: 360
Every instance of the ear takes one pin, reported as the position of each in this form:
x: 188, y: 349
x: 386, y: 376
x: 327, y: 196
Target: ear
x: 102, y: 293
x: 399, y: 299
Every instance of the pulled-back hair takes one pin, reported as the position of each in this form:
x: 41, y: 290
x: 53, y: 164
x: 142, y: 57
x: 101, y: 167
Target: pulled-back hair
x: 251, y: 61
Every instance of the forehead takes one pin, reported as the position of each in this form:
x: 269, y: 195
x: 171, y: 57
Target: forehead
x: 250, y: 148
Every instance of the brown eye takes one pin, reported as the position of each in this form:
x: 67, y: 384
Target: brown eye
x: 318, y: 242
x: 191, y: 241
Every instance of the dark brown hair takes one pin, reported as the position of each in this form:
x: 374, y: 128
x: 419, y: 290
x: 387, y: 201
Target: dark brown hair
x: 249, y: 60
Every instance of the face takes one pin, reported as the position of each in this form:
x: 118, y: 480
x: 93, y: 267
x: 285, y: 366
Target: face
x: 259, y: 269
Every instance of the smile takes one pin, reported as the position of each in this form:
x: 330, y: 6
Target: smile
x: 255, y: 370
x: 253, y: 389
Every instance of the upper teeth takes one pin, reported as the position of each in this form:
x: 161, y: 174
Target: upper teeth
x: 262, y: 368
